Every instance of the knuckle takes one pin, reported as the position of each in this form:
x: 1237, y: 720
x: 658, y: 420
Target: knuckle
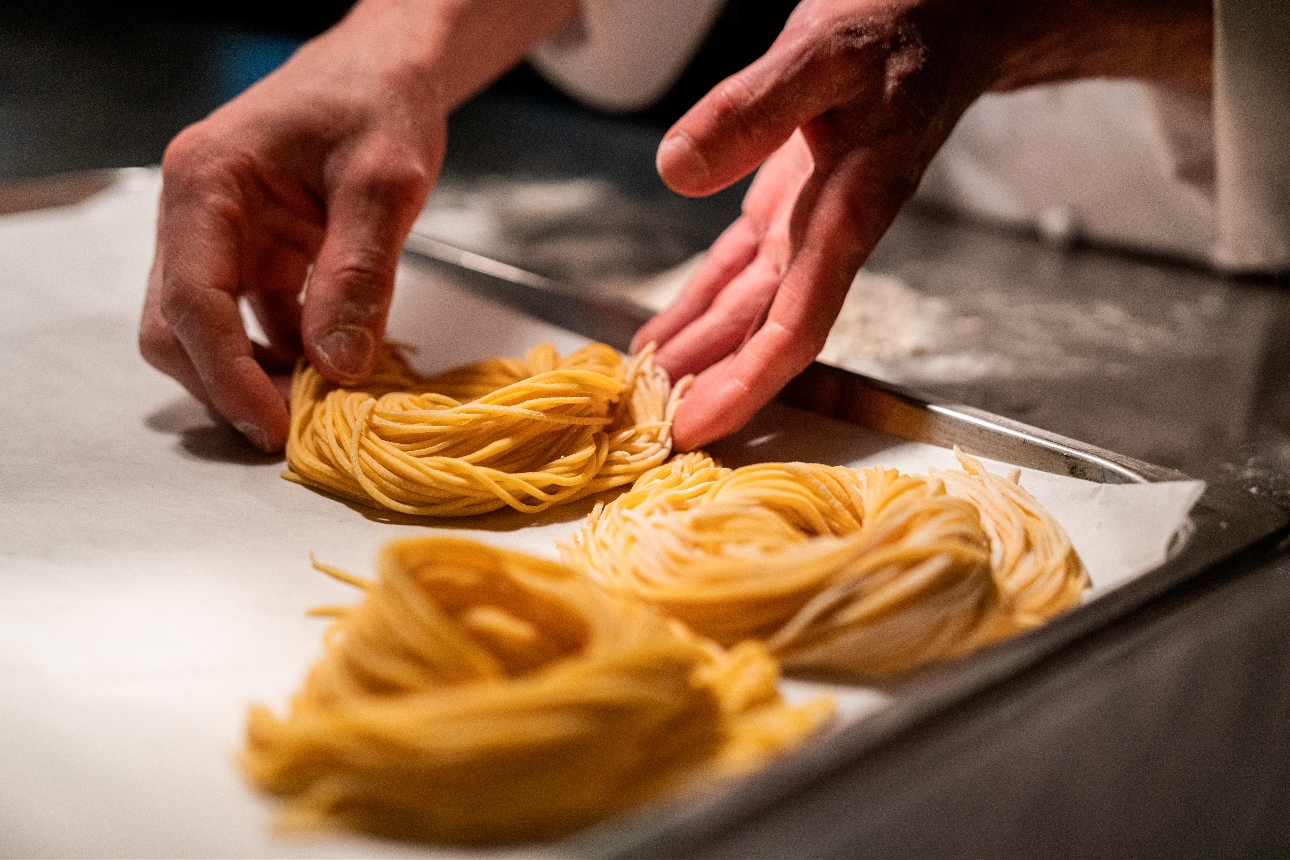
x: 197, y: 171
x: 156, y: 343
x: 794, y: 348
x: 883, y: 74
x: 393, y: 176
x: 185, y: 309
x: 739, y: 107
x: 852, y: 47
x: 188, y: 156
x: 732, y: 97
x: 840, y: 59
x: 160, y: 348
x: 181, y: 150
x: 364, y: 278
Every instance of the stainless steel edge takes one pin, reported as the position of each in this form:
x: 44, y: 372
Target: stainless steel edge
x: 606, y: 320
x: 1225, y: 523
x: 822, y: 389
x: 907, y: 414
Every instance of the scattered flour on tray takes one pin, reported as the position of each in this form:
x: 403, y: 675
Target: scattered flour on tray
x: 891, y: 330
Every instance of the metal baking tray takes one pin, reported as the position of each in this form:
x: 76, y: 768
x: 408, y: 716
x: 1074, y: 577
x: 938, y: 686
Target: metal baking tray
x: 1225, y: 522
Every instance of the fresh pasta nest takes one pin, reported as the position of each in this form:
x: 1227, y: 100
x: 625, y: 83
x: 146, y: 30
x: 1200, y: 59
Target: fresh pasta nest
x: 481, y: 695
x: 525, y: 433
x: 859, y: 573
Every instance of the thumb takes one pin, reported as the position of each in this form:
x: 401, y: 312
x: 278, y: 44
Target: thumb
x: 748, y: 116
x: 352, y: 282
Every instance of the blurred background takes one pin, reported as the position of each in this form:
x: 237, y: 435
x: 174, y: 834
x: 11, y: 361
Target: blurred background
x: 90, y: 85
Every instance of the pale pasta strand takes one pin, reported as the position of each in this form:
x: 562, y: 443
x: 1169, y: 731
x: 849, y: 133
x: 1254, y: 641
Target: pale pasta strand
x: 480, y: 695
x: 1035, y: 567
x: 527, y: 434
x: 854, y: 572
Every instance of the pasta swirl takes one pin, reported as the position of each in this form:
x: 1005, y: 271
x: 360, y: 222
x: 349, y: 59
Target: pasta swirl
x: 527, y: 433
x: 480, y: 695
x: 854, y: 572
x: 1035, y: 568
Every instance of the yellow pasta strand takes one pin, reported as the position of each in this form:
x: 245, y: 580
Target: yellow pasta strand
x: 854, y: 572
x: 477, y: 695
x: 527, y: 433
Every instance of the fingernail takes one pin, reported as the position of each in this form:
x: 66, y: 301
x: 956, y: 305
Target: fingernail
x: 681, y: 165
x: 254, y: 434
x: 346, y: 352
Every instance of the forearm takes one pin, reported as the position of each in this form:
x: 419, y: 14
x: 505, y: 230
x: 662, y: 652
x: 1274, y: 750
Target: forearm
x: 1163, y: 41
x: 460, y: 45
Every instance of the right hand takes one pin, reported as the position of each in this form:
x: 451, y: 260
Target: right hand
x: 843, y: 115
x: 314, y: 174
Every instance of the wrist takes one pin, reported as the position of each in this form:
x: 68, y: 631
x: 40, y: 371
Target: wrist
x: 457, y: 47
x: 1163, y: 41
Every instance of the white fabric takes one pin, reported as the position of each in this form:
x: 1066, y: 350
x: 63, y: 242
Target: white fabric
x: 1252, y: 133
x: 1114, y: 162
x: 623, y: 55
x: 1140, y: 166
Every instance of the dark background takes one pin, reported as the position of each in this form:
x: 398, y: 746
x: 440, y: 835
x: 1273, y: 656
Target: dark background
x: 89, y: 85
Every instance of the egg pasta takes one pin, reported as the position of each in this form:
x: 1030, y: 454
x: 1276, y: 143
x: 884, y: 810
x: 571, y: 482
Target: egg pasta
x: 852, y: 572
x: 478, y: 695
x: 525, y: 433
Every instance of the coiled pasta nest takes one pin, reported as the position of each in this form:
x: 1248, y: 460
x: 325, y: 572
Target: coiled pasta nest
x: 481, y: 695
x: 858, y: 573
x: 525, y: 433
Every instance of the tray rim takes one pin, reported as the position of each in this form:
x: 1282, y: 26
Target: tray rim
x: 1225, y: 523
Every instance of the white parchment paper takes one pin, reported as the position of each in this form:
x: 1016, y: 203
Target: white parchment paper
x: 154, y: 569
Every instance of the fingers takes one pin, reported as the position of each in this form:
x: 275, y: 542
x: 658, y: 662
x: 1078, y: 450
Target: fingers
x: 761, y: 230
x: 732, y: 253
x: 159, y: 345
x: 812, y: 67
x: 352, y: 283
x: 192, y: 328
x: 725, y: 324
x: 725, y: 396
x: 842, y: 213
x: 723, y: 300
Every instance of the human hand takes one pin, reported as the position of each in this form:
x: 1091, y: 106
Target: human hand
x: 846, y: 110
x: 323, y: 164
x: 315, y: 173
